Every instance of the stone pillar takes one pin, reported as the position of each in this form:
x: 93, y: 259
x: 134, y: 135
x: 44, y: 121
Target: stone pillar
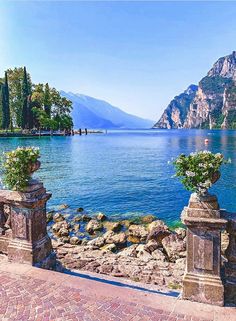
x: 202, y: 280
x: 29, y: 242
x: 230, y: 265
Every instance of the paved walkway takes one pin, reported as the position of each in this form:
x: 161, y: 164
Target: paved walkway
x: 28, y: 293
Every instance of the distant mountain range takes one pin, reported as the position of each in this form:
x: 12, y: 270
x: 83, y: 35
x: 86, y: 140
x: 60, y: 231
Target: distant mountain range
x: 92, y: 113
x: 211, y: 104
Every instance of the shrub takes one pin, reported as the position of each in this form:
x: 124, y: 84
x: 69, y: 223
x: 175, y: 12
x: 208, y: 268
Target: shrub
x: 17, y: 167
x: 199, y: 171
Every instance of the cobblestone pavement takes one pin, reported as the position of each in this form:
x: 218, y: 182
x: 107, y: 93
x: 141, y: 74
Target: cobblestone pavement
x: 28, y: 293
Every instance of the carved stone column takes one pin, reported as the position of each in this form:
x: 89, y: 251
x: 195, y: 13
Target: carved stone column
x: 202, y: 281
x: 230, y: 265
x: 30, y: 242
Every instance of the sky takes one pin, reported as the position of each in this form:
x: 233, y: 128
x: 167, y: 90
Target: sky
x: 135, y: 55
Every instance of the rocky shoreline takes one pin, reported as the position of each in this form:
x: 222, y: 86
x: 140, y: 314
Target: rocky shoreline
x: 144, y: 250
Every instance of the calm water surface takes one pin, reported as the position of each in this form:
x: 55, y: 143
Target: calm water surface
x: 126, y: 173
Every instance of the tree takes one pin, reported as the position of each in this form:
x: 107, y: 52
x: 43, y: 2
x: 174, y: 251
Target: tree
x: 6, y: 114
x: 47, y: 100
x: 25, y: 121
x: 15, y: 83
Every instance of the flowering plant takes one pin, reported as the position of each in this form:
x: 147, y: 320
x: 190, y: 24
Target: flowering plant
x: 199, y: 171
x: 18, y: 167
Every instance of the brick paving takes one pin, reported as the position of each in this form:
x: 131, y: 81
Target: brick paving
x: 28, y: 293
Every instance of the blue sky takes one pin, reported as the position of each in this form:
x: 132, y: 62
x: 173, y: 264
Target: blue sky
x: 136, y: 55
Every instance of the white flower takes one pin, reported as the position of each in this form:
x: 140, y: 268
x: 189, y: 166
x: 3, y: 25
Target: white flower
x: 190, y: 174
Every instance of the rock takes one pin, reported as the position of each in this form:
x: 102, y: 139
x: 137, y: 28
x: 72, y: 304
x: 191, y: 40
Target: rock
x: 58, y: 217
x: 133, y: 239
x: 224, y: 241
x: 49, y: 217
x: 115, y: 227
x: 74, y: 240
x: 101, y: 216
x: 142, y: 253
x: 63, y: 232
x: 148, y: 219
x: 181, y: 232
x: 84, y: 241
x: 174, y: 247
x: 138, y: 231
x: 129, y: 251
x: 80, y: 209
x: 157, y: 234
x: 158, y: 255
x: 93, y: 226
x: 63, y: 206
x: 85, y: 218
x: 157, y: 223
x: 157, y: 231
x: 64, y: 239
x: 76, y: 227
x: 57, y: 226
x: 109, y: 248
x: 118, y: 239
x: 98, y: 241
x: 126, y: 223
x: 151, y: 246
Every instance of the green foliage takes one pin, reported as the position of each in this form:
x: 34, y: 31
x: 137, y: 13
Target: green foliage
x: 16, y: 165
x: 198, y: 171
x: 215, y: 84
x: 47, y: 100
x: 22, y: 100
x: 231, y: 118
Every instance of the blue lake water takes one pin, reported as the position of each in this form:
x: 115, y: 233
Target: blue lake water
x: 126, y: 173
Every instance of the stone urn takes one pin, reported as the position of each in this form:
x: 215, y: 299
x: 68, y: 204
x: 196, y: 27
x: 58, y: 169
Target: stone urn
x: 33, y: 167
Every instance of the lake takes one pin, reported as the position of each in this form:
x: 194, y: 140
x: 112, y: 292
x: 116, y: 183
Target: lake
x: 126, y: 173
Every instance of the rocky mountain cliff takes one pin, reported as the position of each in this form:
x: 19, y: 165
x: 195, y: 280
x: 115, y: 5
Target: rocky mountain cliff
x: 176, y: 112
x: 212, y: 105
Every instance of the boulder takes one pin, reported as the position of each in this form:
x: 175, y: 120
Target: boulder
x: 57, y: 226
x: 156, y: 224
x: 49, y: 217
x: 80, y: 210
x: 129, y: 251
x: 76, y: 227
x: 101, y: 216
x: 157, y: 231
x: 151, y: 246
x: 109, y: 248
x: 174, y: 247
x: 148, y: 219
x: 118, y: 239
x: 63, y: 206
x: 181, y: 232
x: 138, y: 231
x: 58, y: 217
x: 74, y: 240
x: 64, y: 239
x: 93, y: 226
x: 142, y: 253
x: 98, y: 241
x: 133, y: 239
x: 63, y: 232
x: 158, y: 255
x: 113, y: 226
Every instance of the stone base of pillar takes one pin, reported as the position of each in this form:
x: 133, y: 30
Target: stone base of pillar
x: 4, y: 241
x: 203, y: 288
x: 22, y: 251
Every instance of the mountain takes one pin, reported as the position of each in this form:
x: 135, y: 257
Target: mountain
x: 214, y: 102
x: 177, y: 110
x: 89, y: 112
